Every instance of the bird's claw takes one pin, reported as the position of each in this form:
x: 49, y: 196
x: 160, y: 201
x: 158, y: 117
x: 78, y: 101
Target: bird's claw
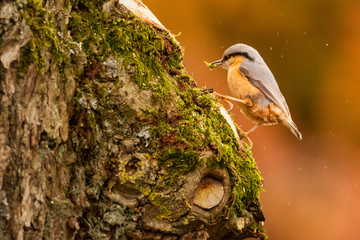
x: 248, y: 102
x: 230, y: 104
x: 246, y: 136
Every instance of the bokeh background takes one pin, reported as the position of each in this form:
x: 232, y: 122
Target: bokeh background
x: 313, y: 48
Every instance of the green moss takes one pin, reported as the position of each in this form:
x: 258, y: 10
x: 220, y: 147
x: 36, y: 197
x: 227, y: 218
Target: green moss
x: 44, y: 37
x: 177, y: 163
x: 161, y: 201
x: 209, y: 65
x: 177, y: 158
x: 160, y: 129
x: 140, y: 47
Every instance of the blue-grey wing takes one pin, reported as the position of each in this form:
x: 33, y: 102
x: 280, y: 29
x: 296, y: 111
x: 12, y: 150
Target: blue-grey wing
x: 261, y: 77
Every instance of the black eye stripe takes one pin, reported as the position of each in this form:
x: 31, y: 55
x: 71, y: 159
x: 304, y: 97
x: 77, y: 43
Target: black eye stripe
x: 244, y: 54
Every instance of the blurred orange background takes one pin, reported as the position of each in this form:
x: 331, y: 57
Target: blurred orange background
x: 313, y: 49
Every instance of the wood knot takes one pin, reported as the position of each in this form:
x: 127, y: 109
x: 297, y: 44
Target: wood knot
x: 209, y: 193
x: 132, y: 166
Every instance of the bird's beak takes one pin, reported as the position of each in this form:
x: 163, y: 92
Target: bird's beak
x: 217, y: 63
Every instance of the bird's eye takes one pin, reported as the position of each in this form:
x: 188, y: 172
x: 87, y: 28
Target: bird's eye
x: 227, y: 57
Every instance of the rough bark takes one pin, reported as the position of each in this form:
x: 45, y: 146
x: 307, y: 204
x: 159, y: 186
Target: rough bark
x: 103, y: 135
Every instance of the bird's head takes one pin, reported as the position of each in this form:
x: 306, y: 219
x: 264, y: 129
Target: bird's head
x: 240, y: 52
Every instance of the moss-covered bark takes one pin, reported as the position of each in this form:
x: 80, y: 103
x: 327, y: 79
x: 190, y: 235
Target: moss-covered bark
x: 103, y: 135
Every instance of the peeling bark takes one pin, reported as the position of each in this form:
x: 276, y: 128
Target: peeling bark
x: 103, y: 135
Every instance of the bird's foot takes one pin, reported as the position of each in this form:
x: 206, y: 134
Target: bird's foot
x: 246, y: 136
x: 230, y: 104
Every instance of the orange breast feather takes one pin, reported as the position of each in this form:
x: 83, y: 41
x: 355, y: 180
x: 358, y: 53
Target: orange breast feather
x: 239, y: 86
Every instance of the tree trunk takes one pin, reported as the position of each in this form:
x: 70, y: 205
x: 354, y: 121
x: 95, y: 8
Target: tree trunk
x: 103, y: 135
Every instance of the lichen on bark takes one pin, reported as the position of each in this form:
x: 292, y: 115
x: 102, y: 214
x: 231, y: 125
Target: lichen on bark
x: 107, y: 136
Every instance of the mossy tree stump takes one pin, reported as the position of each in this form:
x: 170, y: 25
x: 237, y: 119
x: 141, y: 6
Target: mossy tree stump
x: 103, y: 135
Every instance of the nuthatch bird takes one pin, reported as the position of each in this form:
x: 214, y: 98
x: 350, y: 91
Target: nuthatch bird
x: 253, y: 85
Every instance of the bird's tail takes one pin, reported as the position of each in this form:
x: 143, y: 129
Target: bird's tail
x: 293, y: 128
